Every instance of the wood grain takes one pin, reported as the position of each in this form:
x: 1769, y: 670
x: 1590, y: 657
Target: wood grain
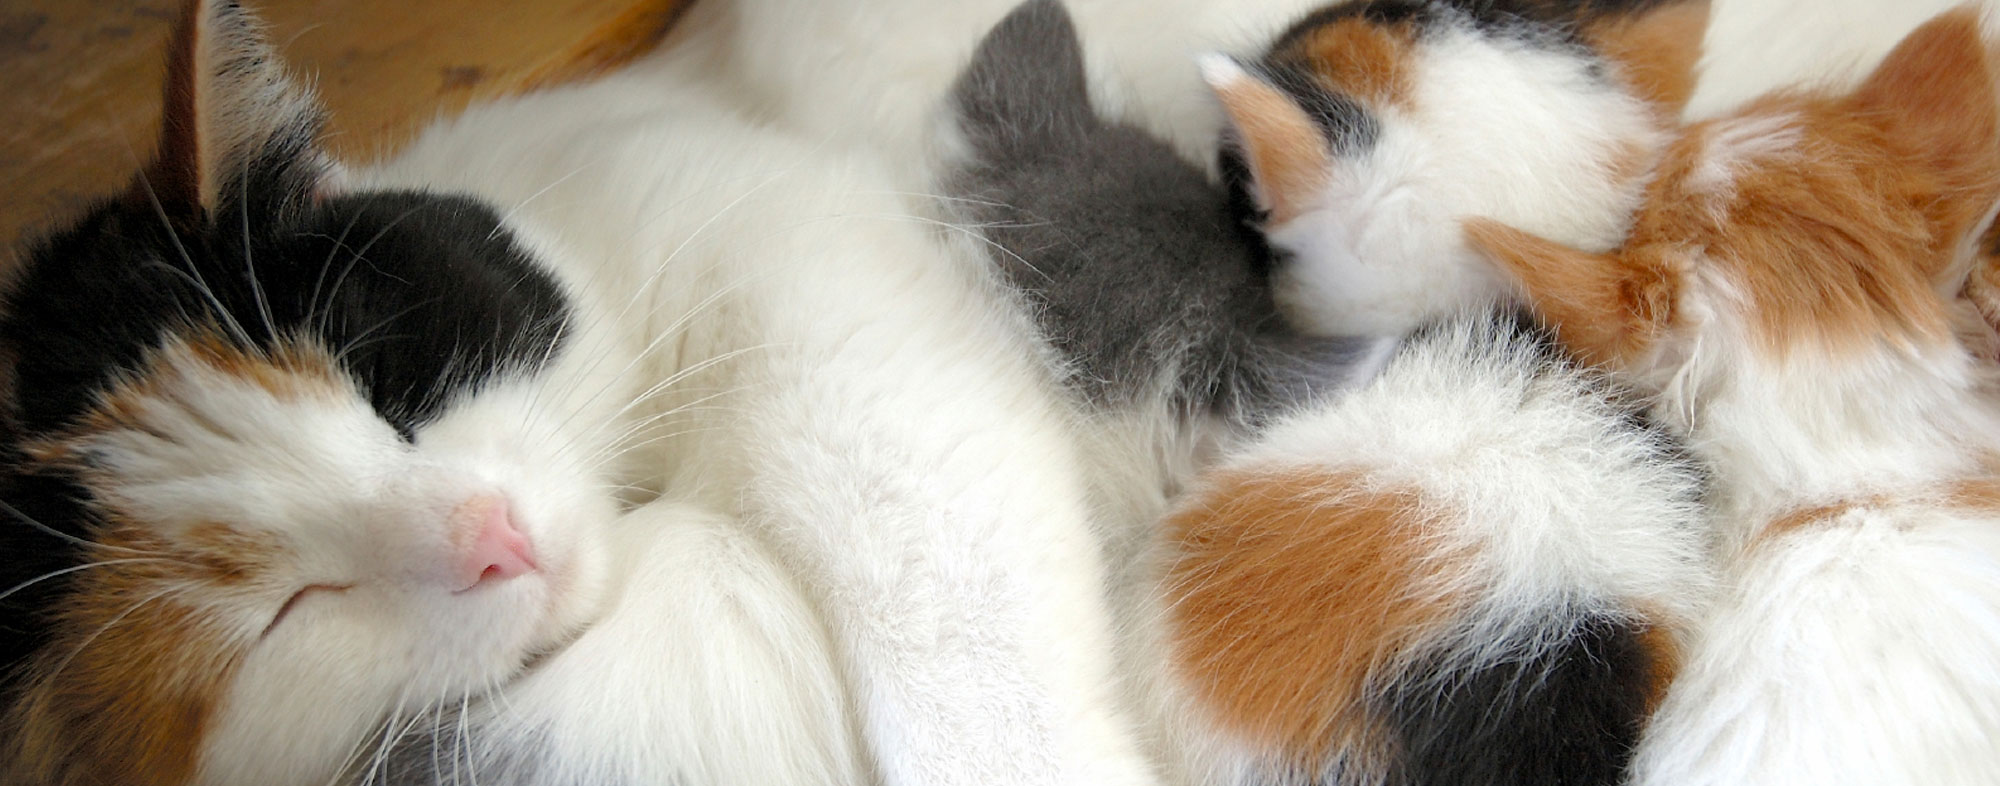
x: 82, y: 105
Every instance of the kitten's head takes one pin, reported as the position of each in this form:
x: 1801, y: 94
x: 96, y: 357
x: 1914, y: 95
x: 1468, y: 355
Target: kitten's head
x: 1371, y: 129
x: 286, y: 460
x: 1836, y: 231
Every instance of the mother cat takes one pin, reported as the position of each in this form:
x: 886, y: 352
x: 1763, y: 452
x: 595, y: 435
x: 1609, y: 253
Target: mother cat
x: 302, y: 458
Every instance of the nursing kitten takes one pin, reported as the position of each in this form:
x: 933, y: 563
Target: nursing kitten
x: 303, y: 459
x: 1369, y: 129
x: 1789, y: 293
x: 1153, y: 297
x: 1475, y: 569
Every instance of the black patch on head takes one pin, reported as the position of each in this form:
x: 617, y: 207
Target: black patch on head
x: 422, y: 297
x: 1569, y: 716
x: 1140, y: 275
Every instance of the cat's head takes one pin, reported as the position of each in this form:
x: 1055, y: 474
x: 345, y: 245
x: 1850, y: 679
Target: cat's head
x: 290, y: 463
x: 1806, y: 235
x: 1371, y: 129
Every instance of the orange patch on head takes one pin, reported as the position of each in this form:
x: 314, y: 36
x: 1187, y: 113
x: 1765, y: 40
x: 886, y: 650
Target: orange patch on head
x: 1665, y: 659
x: 1837, y: 222
x: 1360, y: 59
x: 135, y: 670
x: 1292, y: 595
x: 1656, y: 51
x: 1288, y: 157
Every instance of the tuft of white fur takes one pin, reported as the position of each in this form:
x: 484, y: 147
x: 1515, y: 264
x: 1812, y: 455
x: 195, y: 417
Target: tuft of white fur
x: 1856, y: 650
x: 846, y: 382
x: 1496, y: 124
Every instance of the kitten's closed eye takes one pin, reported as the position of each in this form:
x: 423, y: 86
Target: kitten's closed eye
x: 297, y: 597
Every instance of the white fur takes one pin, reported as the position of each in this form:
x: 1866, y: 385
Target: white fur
x: 848, y: 384
x: 874, y: 71
x: 1755, y: 46
x: 1494, y: 126
x: 1531, y: 470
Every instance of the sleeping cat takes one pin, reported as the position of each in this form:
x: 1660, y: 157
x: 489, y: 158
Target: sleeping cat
x: 305, y: 458
x: 1789, y: 294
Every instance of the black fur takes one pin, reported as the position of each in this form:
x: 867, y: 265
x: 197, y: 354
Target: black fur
x: 1568, y: 717
x: 423, y: 297
x: 1140, y: 275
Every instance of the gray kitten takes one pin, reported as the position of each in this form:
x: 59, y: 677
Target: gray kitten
x: 1140, y: 274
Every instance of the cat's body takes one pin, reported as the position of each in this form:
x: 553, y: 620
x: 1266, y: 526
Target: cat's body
x: 861, y: 457
x: 1790, y: 295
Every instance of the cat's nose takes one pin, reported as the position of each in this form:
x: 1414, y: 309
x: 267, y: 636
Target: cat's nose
x: 490, y: 547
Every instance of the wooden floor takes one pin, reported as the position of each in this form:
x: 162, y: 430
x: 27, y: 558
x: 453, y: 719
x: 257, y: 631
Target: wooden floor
x: 81, y: 103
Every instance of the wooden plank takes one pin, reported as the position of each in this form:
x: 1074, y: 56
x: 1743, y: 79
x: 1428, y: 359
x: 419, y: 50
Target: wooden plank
x: 82, y: 103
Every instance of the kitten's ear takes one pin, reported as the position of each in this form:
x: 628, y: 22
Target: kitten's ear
x: 234, y: 123
x: 1288, y: 157
x: 1934, y: 97
x: 1657, y: 49
x: 1605, y: 308
x: 1027, y: 79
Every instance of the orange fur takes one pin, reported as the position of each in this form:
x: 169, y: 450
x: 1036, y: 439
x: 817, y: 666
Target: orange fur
x: 1839, y: 233
x: 1293, y: 593
x: 1656, y: 51
x: 1285, y: 151
x: 1357, y: 58
x: 136, y: 669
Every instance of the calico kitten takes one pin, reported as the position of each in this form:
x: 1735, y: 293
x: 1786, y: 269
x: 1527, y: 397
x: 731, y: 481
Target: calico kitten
x: 1475, y: 569
x: 1369, y: 129
x: 317, y: 457
x: 1789, y: 293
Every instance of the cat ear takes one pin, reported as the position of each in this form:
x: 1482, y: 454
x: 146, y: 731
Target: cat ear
x: 1604, y: 307
x: 233, y: 123
x: 1934, y: 98
x: 1288, y: 157
x: 1656, y: 49
x: 1027, y: 80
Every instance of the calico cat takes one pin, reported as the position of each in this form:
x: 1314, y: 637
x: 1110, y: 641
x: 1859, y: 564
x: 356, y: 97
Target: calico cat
x: 1368, y: 129
x: 1789, y: 294
x: 304, y: 458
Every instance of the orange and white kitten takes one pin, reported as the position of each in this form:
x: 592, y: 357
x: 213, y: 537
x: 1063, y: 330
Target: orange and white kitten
x: 1789, y: 294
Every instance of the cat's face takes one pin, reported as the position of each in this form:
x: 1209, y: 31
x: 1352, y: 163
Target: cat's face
x: 1371, y: 129
x: 1835, y: 231
x: 295, y: 466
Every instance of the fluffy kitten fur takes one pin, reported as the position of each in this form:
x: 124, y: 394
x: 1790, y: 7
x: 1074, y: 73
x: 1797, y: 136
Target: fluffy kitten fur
x: 1789, y: 293
x: 1368, y: 130
x: 303, y: 391
x: 1148, y: 289
x: 1474, y: 570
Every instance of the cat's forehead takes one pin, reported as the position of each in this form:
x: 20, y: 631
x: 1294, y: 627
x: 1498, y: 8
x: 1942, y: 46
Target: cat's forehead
x: 417, y: 299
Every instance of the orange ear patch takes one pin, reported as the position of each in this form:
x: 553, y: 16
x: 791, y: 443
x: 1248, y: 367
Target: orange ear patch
x: 1657, y: 50
x: 1288, y: 157
x: 134, y: 672
x: 1292, y: 592
x: 1361, y: 59
x: 1606, y: 308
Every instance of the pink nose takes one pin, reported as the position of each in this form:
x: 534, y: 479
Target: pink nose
x: 491, y: 548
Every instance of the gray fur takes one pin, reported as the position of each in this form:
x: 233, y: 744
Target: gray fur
x: 1141, y: 277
